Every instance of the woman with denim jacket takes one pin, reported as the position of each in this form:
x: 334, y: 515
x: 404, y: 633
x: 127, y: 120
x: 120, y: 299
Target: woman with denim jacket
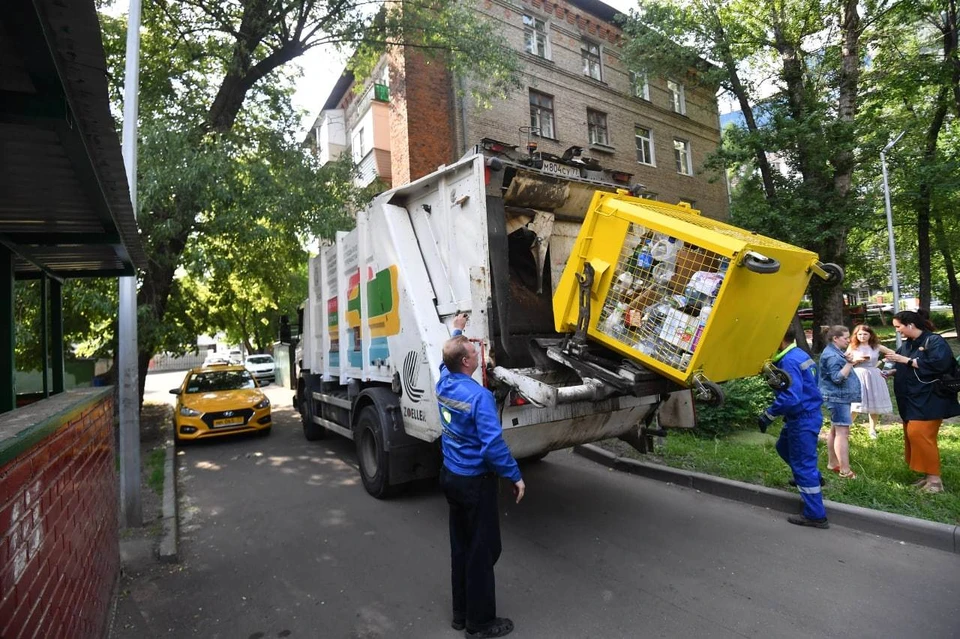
x: 840, y: 388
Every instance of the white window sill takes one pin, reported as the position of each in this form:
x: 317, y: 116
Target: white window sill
x: 602, y: 148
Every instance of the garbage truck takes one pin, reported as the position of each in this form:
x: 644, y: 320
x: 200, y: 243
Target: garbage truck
x: 491, y: 236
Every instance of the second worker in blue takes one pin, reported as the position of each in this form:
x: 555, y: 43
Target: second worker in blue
x: 800, y: 406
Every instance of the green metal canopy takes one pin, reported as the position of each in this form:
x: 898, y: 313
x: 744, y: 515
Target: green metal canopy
x: 64, y: 203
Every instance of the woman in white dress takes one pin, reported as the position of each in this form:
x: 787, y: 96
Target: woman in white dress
x: 865, y: 351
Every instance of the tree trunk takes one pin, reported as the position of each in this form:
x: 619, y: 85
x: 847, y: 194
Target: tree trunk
x: 925, y: 197
x: 944, y: 245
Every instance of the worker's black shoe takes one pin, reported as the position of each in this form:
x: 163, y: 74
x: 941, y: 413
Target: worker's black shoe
x: 500, y: 627
x: 800, y: 520
x: 458, y: 624
x: 793, y: 482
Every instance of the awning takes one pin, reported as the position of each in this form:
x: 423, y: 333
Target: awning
x: 64, y: 203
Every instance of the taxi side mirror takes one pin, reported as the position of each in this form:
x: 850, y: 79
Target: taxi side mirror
x: 174, y: 391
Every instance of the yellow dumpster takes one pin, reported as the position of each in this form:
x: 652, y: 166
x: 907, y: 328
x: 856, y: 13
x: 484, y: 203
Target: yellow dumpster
x: 695, y: 299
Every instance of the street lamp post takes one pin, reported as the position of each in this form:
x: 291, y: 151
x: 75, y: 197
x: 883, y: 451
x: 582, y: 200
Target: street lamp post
x: 893, y: 253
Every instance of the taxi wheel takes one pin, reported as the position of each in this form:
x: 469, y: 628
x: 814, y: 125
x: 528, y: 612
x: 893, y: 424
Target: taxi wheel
x: 374, y: 460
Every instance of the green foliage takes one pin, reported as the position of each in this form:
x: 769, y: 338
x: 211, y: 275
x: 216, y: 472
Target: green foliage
x: 228, y: 201
x: 745, y: 399
x: 155, y: 471
x: 89, y: 317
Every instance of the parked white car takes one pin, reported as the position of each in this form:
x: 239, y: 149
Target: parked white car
x: 262, y: 367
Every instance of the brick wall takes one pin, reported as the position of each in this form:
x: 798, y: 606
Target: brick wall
x: 59, y: 556
x: 421, y: 112
x: 560, y: 76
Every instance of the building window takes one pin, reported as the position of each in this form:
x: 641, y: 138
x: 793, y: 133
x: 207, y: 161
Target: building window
x: 359, y: 147
x: 590, y: 54
x: 644, y: 138
x: 535, y: 36
x: 648, y: 195
x: 639, y: 87
x: 597, y: 127
x: 686, y: 200
x: 541, y: 114
x: 677, y: 97
x: 681, y: 152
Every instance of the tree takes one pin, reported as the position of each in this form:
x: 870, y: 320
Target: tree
x: 806, y: 111
x: 214, y: 83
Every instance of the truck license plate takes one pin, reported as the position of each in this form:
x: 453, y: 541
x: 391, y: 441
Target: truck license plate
x: 228, y: 421
x: 560, y: 169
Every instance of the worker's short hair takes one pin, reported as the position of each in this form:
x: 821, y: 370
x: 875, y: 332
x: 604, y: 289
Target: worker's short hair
x: 454, y: 350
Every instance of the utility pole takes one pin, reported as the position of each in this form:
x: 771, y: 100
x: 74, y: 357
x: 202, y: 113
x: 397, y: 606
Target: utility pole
x: 893, y: 252
x: 127, y: 374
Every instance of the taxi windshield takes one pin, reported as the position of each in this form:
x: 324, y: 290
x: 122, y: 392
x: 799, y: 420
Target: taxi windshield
x: 220, y: 381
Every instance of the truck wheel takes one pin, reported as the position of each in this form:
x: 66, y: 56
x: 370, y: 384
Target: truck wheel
x: 777, y: 379
x: 311, y: 431
x: 374, y: 460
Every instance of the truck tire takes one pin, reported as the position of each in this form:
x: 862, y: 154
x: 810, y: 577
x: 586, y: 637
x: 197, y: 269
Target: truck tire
x: 374, y: 459
x: 311, y: 431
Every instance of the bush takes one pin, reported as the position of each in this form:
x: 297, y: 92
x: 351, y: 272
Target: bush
x: 941, y: 320
x: 745, y: 399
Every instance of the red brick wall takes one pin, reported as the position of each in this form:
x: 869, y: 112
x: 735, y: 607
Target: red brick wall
x: 421, y: 112
x: 59, y: 555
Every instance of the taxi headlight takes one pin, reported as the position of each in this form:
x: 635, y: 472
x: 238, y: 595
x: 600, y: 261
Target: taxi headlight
x: 186, y: 411
x: 263, y: 403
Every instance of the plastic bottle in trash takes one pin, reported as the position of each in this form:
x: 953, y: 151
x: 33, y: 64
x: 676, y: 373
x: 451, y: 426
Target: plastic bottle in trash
x: 665, y: 251
x: 613, y: 324
x: 622, y: 286
x: 701, y: 323
x: 643, y: 259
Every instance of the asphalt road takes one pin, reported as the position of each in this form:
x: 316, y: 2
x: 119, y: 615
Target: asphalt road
x: 278, y: 538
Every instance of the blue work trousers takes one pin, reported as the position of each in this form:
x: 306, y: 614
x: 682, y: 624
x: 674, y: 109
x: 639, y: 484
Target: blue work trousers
x: 798, y: 447
x: 474, y: 545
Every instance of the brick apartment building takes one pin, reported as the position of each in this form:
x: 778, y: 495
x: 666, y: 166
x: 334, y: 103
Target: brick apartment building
x: 408, y: 119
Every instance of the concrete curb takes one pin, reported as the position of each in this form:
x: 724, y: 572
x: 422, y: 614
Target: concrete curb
x: 900, y: 527
x: 168, y: 541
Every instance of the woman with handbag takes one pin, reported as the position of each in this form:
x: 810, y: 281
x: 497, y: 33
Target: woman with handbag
x: 920, y: 361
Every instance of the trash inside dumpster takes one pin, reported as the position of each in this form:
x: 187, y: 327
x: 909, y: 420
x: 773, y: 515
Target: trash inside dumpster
x: 695, y: 299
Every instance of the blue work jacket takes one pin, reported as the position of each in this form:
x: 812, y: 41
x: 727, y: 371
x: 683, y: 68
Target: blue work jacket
x: 833, y: 385
x: 472, y: 438
x: 803, y: 396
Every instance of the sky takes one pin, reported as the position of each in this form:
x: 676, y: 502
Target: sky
x: 321, y: 68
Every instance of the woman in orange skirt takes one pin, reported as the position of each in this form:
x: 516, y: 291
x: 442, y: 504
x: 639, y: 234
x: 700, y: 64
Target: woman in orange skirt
x: 920, y: 360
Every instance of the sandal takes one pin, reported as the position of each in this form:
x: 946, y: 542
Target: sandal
x: 834, y: 470
x: 920, y: 483
x: 932, y: 488
x: 847, y: 474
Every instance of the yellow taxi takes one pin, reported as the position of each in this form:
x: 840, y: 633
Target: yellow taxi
x: 219, y: 400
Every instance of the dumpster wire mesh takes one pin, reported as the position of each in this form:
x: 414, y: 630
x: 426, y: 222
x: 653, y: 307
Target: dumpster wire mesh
x: 716, y: 226
x: 662, y: 293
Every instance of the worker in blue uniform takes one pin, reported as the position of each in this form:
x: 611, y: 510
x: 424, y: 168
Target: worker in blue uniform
x: 799, y: 404
x: 474, y: 455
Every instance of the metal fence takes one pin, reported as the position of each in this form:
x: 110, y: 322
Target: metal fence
x: 168, y: 362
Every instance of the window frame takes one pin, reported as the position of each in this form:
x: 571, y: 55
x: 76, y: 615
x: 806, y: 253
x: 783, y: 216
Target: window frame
x: 537, y: 124
x: 683, y: 152
x: 530, y: 30
x: 588, y: 58
x: 636, y: 83
x: 651, y: 149
x: 678, y: 96
x: 597, y: 126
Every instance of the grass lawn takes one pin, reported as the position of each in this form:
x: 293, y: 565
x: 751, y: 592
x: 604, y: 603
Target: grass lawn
x: 882, y: 481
